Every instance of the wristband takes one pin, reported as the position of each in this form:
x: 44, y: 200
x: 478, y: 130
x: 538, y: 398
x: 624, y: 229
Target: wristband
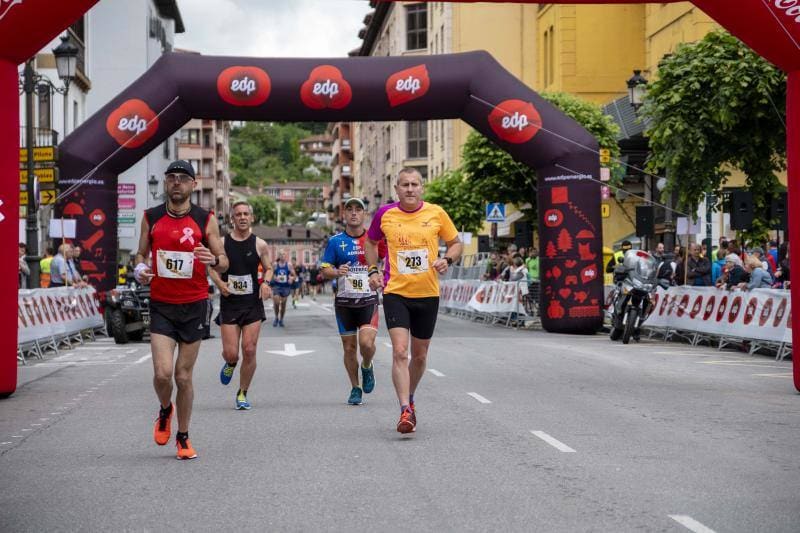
x: 216, y: 261
x: 137, y: 272
x: 449, y: 260
x: 373, y: 270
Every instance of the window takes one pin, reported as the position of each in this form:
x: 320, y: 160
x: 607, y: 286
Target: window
x: 206, y: 138
x: 190, y: 136
x: 416, y: 26
x: 548, y: 73
x: 166, y: 149
x: 44, y: 107
x: 306, y: 257
x: 417, y: 139
x: 74, y: 115
x: 195, y: 165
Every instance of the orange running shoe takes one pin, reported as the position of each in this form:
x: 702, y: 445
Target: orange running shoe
x: 408, y: 421
x: 185, y: 450
x: 163, y: 426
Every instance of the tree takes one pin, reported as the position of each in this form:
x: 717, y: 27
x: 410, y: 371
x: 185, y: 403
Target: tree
x: 717, y: 105
x: 264, y: 210
x: 455, y: 195
x: 498, y: 178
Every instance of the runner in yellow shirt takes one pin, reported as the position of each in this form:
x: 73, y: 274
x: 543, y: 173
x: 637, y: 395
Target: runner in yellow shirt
x: 412, y: 229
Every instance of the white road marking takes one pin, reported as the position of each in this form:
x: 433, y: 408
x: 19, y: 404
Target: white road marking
x: 435, y: 372
x: 690, y: 523
x: 290, y: 350
x: 789, y: 375
x: 387, y: 344
x: 735, y: 363
x: 555, y: 443
x: 478, y: 397
x: 44, y: 419
x: 7, y: 442
x: 16, y: 436
x: 131, y: 351
x: 55, y: 413
x: 143, y: 359
x: 36, y: 424
x: 27, y: 429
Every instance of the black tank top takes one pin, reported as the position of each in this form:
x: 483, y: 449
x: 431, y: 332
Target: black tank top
x: 243, y: 262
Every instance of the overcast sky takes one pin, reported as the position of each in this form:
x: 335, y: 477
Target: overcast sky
x: 272, y: 28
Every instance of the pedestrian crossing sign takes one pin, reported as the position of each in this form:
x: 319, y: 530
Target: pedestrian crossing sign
x: 495, y: 212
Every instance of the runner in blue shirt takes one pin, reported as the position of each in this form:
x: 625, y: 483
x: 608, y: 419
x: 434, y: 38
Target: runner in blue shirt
x: 355, y: 303
x: 282, y: 278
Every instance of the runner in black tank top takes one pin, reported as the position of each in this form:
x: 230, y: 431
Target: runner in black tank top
x: 241, y: 302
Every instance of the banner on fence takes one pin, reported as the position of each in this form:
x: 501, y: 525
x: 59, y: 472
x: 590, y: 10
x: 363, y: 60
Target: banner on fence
x: 484, y: 296
x: 45, y: 313
x: 759, y: 314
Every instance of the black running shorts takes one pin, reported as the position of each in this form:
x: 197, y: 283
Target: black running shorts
x: 416, y: 314
x: 186, y: 323
x: 242, y: 316
x: 351, y: 319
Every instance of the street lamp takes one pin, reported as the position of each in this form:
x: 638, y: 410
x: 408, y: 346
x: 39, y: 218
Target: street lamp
x: 66, y: 65
x: 637, y: 87
x: 152, y: 186
x: 366, y: 204
x: 378, y: 196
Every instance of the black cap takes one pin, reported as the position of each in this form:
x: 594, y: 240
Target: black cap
x: 180, y: 166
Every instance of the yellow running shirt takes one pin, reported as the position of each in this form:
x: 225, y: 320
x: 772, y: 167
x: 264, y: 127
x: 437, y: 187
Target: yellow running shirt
x: 413, y: 243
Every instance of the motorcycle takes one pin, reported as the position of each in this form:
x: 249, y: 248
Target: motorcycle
x: 635, y: 279
x: 127, y: 312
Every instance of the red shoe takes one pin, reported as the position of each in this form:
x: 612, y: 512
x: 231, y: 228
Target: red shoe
x: 185, y: 450
x: 408, y: 421
x: 163, y: 427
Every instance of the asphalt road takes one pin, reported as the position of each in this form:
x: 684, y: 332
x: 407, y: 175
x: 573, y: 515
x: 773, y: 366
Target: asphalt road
x: 517, y: 431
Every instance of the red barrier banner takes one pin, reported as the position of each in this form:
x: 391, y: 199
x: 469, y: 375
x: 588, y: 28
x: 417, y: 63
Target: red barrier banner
x: 759, y: 314
x: 46, y: 313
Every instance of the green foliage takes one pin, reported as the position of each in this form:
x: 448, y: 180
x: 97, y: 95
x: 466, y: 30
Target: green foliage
x: 264, y: 210
x: 712, y: 108
x: 496, y: 177
x: 461, y: 201
x: 263, y: 152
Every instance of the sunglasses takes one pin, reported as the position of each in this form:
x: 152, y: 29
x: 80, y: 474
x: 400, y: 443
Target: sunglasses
x: 178, y: 178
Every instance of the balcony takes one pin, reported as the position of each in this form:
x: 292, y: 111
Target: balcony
x: 346, y: 145
x: 206, y: 183
x: 41, y: 137
x: 346, y: 172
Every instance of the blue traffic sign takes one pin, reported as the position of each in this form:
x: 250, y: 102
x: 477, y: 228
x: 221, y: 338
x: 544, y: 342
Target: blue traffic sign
x: 495, y: 212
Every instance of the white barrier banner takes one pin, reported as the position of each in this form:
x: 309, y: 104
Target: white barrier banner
x: 761, y: 314
x: 43, y: 313
x: 456, y: 293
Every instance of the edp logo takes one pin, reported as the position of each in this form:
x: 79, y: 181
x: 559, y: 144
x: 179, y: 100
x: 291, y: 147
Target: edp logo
x: 409, y: 85
x: 245, y: 85
x: 134, y: 124
x: 516, y: 121
x: 328, y: 88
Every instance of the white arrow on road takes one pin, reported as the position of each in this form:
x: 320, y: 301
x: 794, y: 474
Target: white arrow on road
x: 290, y: 350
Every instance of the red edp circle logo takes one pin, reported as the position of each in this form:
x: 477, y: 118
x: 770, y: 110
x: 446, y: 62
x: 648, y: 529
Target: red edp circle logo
x: 736, y: 306
x: 408, y: 85
x: 779, y: 313
x: 750, y: 310
x: 132, y: 124
x: 244, y: 86
x: 723, y: 306
x: 515, y: 121
x: 765, y: 312
x: 326, y: 88
x: 709, y: 307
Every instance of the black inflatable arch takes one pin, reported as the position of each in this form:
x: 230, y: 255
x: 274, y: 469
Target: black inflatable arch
x: 471, y: 86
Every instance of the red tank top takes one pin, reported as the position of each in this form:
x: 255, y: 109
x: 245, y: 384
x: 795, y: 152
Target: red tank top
x: 177, y: 234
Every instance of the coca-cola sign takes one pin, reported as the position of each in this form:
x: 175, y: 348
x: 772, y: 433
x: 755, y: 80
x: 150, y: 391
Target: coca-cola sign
x: 515, y: 121
x: 132, y: 124
x: 244, y: 86
x: 6, y: 5
x: 326, y: 88
x: 791, y: 8
x: 407, y: 85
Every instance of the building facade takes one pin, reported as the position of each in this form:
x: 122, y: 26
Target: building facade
x: 341, y: 169
x: 205, y: 144
x: 139, y: 32
x: 300, y: 244
x: 318, y: 148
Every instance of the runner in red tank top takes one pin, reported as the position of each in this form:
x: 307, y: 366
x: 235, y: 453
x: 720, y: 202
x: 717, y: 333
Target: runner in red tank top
x: 183, y: 240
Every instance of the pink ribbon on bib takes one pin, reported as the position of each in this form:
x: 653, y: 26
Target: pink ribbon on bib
x: 187, y: 236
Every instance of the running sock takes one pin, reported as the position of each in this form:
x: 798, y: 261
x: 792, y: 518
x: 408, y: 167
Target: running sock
x: 241, y: 395
x: 232, y: 365
x: 182, y: 436
x: 166, y: 411
x: 411, y: 399
x: 366, y: 367
x: 403, y: 408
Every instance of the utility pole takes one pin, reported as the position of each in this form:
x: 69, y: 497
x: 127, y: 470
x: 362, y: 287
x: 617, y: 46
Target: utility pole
x: 31, y: 230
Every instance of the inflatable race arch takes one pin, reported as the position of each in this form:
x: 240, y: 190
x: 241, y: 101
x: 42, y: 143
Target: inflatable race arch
x: 469, y: 86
